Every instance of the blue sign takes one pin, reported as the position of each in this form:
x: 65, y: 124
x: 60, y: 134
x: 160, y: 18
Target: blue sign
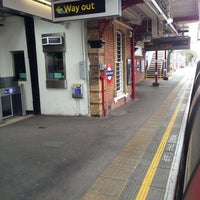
x: 77, y: 91
x: 6, y: 91
x: 10, y: 91
x: 110, y: 73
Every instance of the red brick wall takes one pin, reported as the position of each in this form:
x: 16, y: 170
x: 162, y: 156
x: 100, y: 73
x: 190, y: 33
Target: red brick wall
x: 106, y: 30
x: 109, y: 59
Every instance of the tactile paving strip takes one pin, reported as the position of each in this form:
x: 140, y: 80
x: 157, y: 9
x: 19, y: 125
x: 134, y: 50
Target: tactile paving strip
x: 112, y: 182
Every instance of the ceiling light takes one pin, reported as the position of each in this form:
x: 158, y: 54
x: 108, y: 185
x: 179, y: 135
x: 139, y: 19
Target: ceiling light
x: 45, y: 2
x: 169, y: 20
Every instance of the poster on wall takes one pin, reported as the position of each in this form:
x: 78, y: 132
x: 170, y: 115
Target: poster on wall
x: 129, y: 71
x: 142, y: 66
x: 137, y: 65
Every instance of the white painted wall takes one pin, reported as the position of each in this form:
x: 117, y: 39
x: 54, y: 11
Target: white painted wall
x: 60, y: 101
x: 13, y: 39
x: 53, y: 101
x: 30, y: 7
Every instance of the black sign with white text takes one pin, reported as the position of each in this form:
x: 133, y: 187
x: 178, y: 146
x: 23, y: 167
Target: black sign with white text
x: 168, y: 43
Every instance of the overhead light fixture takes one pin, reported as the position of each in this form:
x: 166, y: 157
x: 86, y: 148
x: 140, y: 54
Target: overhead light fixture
x: 45, y: 2
x: 153, y: 5
x: 169, y: 20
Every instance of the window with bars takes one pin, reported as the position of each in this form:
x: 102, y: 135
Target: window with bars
x: 119, y: 63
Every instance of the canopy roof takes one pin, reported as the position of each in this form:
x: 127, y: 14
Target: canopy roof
x: 174, y: 15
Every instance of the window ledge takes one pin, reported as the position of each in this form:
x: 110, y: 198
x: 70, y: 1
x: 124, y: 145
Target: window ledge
x: 120, y: 96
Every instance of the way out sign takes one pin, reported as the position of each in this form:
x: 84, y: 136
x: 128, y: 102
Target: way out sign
x: 109, y: 73
x: 63, y: 10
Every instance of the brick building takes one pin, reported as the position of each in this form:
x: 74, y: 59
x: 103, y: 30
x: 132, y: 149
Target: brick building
x: 107, y: 93
x: 49, y: 72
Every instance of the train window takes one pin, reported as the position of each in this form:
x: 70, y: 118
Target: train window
x: 19, y: 65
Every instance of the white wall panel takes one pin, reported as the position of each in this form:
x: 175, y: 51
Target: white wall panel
x: 60, y: 101
x: 13, y: 39
x: 29, y: 6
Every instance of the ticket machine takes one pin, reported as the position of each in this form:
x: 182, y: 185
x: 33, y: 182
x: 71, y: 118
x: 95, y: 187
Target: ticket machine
x: 54, y: 51
x: 11, y: 102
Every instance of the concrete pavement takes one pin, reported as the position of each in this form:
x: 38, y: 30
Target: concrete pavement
x: 59, y: 158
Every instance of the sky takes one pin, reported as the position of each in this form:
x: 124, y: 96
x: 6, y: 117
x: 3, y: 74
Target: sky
x: 193, y: 33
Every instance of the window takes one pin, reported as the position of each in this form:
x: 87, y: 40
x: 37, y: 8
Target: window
x: 19, y: 65
x: 55, y: 65
x: 119, y: 63
x: 54, y: 51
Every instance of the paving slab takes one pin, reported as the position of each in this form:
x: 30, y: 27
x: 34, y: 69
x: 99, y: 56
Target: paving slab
x: 57, y: 157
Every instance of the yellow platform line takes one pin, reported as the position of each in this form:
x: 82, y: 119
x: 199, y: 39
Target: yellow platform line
x: 111, y: 183
x: 144, y: 189
x: 151, y: 79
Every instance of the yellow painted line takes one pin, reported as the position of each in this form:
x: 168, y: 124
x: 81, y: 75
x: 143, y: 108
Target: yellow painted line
x: 144, y: 189
x: 151, y: 79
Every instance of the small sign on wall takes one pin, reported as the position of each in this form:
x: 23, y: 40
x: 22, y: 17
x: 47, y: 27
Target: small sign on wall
x: 109, y: 73
x: 142, y: 66
x: 129, y: 71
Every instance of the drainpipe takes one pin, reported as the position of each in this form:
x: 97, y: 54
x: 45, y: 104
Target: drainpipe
x: 102, y: 24
x: 102, y: 77
x: 133, y: 63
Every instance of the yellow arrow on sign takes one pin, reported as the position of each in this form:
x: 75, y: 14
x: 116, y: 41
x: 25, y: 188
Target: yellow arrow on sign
x: 59, y: 10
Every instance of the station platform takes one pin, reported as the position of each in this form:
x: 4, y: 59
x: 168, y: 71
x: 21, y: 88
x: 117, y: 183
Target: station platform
x: 132, y: 153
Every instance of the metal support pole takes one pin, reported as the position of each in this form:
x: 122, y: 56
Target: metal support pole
x: 1, y: 112
x: 156, y: 70
x: 165, y: 67
x: 78, y: 107
x: 23, y: 99
x: 133, y: 64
